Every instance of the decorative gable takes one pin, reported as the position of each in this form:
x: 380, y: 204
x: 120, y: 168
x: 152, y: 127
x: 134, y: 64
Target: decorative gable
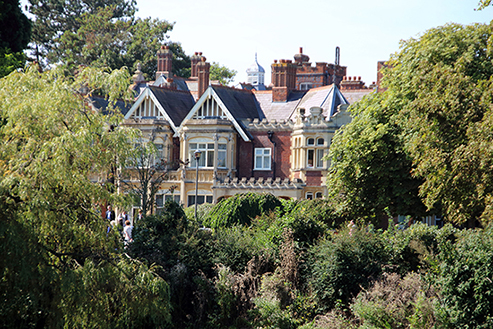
x: 147, y: 106
x: 209, y: 109
x: 210, y: 106
x: 147, y: 109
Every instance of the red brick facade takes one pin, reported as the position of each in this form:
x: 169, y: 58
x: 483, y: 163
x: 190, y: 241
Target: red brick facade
x: 280, y: 159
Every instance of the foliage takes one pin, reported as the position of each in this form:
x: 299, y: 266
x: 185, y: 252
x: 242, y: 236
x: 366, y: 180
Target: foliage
x: 150, y: 170
x: 15, y: 33
x: 122, y: 295
x: 241, y: 209
x: 10, y: 61
x: 271, y: 304
x: 311, y: 219
x: 55, y: 154
x: 52, y: 18
x: 103, y: 42
x: 447, y: 129
x: 393, y: 302
x: 221, y: 73
x: 370, y: 171
x: 235, y: 246
x: 464, y: 278
x: 15, y: 27
x: 433, y: 121
x: 342, y: 264
x: 182, y: 252
x: 414, y: 249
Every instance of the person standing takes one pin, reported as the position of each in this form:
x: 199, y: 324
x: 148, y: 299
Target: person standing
x: 127, y: 232
x: 110, y: 214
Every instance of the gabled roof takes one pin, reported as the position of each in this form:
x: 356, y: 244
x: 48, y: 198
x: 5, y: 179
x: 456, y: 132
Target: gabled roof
x: 174, y: 105
x: 240, y: 103
x: 235, y: 105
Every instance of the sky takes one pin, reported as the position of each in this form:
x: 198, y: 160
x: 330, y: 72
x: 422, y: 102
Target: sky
x: 231, y: 32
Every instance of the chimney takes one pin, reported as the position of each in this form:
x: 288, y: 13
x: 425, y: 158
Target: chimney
x: 164, y: 61
x: 195, y: 59
x: 283, y: 79
x: 203, y: 74
x: 301, y: 58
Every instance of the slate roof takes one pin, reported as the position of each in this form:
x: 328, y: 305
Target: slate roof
x: 101, y: 103
x: 327, y: 97
x: 278, y: 111
x: 176, y: 103
x: 240, y: 103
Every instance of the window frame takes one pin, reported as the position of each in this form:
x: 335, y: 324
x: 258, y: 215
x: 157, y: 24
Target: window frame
x: 265, y: 158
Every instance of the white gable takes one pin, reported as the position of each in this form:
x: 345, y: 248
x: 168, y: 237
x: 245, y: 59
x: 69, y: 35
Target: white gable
x: 210, y: 106
x: 209, y: 109
x: 147, y: 107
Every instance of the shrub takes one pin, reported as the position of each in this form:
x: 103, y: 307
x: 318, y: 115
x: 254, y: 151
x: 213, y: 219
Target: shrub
x: 464, y: 277
x: 241, y: 209
x: 235, y: 246
x: 393, y: 302
x: 342, y: 264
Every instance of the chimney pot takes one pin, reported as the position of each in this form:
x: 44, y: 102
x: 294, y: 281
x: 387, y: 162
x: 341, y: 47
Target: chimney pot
x: 359, y: 78
x: 301, y: 50
x: 275, y: 61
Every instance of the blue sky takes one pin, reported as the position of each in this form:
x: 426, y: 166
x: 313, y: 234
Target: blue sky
x: 231, y: 31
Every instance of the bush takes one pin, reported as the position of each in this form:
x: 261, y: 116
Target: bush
x: 464, y: 277
x: 342, y: 264
x: 396, y: 303
x: 241, y: 209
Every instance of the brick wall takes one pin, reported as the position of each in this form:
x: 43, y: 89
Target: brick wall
x: 313, y: 178
x: 281, y: 164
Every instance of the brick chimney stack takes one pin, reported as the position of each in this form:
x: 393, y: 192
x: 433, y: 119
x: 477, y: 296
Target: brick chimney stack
x: 283, y: 79
x: 203, y: 69
x: 195, y: 59
x: 164, y: 61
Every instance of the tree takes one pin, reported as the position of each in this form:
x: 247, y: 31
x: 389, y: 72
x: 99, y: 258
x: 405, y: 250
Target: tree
x: 53, y: 18
x: 221, y: 73
x: 150, y: 170
x: 15, y: 33
x: 439, y: 98
x: 15, y: 27
x: 370, y: 172
x: 60, y: 266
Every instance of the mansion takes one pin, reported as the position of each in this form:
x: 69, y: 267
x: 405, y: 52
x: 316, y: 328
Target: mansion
x: 251, y: 137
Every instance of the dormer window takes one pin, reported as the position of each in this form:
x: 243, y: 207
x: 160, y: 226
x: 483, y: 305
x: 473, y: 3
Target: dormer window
x: 310, y: 141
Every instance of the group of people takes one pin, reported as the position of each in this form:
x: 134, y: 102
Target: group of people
x: 123, y: 221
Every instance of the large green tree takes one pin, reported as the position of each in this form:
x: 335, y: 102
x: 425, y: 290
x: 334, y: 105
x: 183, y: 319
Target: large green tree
x: 60, y: 267
x: 438, y: 96
x: 371, y: 172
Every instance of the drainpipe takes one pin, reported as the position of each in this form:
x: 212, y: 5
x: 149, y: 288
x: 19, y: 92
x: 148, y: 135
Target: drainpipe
x: 270, y: 134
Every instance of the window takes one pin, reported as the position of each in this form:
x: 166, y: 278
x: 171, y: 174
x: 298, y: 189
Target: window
x: 310, y: 157
x: 201, y: 199
x: 305, y: 85
x: 207, y: 157
x: 320, y: 157
x: 262, y: 158
x: 221, y: 155
x: 161, y: 199
x: 309, y: 195
x: 318, y: 195
x: 315, y: 155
